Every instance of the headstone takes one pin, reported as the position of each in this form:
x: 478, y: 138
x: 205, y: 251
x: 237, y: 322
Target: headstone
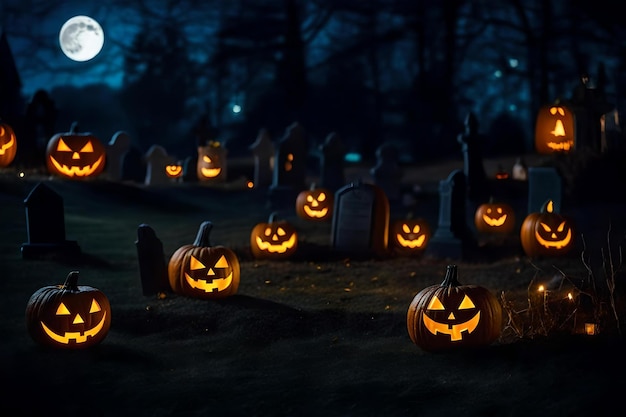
x: 544, y: 183
x: 116, y: 148
x: 133, y: 168
x: 289, y: 176
x: 360, y: 223
x: 263, y: 153
x: 520, y: 170
x: 152, y: 265
x: 452, y: 236
x: 39, y: 125
x: 387, y: 173
x: 332, y: 160
x: 45, y: 226
x: 471, y: 145
x: 156, y: 160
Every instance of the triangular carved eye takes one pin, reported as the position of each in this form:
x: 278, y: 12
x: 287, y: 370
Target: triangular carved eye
x: 561, y: 227
x: 87, y: 148
x: 435, y: 304
x: 281, y: 232
x: 466, y: 304
x: 62, y: 310
x: 321, y: 197
x: 62, y: 146
x: 545, y: 227
x: 195, y: 264
x: 222, y: 262
x: 95, y: 307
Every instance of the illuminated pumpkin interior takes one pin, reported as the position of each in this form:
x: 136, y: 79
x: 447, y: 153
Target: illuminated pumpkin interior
x: 451, y: 326
x: 211, y: 171
x: 553, y: 236
x: 276, y: 239
x: 494, y: 217
x: 74, y: 319
x: 559, y: 132
x: 313, y: 207
x: 82, y: 162
x: 289, y: 162
x: 173, y: 171
x: 411, y: 236
x: 4, y: 147
x: 217, y: 278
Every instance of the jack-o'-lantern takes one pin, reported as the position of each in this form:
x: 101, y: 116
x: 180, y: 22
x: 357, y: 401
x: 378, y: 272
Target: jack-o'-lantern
x: 211, y: 164
x: 68, y: 316
x: 203, y: 271
x: 546, y: 233
x: 75, y: 155
x: 174, y: 170
x: 452, y: 315
x: 8, y: 144
x: 494, y: 217
x: 409, y: 236
x: 274, y: 239
x: 554, y: 130
x: 315, y: 204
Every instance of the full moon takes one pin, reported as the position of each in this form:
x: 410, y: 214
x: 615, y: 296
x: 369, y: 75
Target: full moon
x: 81, y: 38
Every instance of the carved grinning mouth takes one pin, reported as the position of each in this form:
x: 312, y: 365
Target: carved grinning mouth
x: 77, y: 171
x: 454, y: 330
x: 281, y: 248
x: 558, y: 244
x: 494, y: 221
x: 214, y: 285
x: 79, y: 337
x: 411, y: 243
x: 316, y: 213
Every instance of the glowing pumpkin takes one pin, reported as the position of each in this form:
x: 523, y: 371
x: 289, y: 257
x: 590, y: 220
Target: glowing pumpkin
x: 8, y: 144
x: 546, y: 233
x: 211, y: 164
x: 452, y: 315
x: 409, y: 236
x: 75, y: 155
x: 554, y: 130
x: 203, y: 271
x: 273, y: 239
x: 68, y: 316
x: 315, y: 204
x: 174, y: 170
x: 494, y: 217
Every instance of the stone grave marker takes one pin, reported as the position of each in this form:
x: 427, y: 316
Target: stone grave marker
x: 332, y: 160
x: 471, y: 145
x: 289, y: 175
x: 45, y: 226
x: 360, y: 222
x: 387, y: 173
x: 544, y: 183
x: 133, y: 167
x: 152, y: 265
x: 452, y: 236
x: 156, y: 160
x: 263, y: 154
x: 115, y: 149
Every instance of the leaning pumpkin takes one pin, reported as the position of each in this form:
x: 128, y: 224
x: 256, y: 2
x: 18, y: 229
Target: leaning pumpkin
x: 546, y: 233
x: 452, y: 315
x: 75, y: 155
x: 68, y: 316
x: 8, y: 144
x: 274, y: 239
x: 492, y: 217
x: 315, y: 204
x: 200, y: 270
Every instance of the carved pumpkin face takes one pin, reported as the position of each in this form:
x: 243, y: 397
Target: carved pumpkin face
x: 203, y: 271
x: 75, y: 155
x: 452, y: 315
x: 68, y: 316
x: 8, y: 145
x: 546, y: 233
x: 494, y: 218
x: 554, y: 130
x: 174, y: 170
x: 409, y: 236
x: 273, y: 240
x: 211, y: 162
x: 315, y: 204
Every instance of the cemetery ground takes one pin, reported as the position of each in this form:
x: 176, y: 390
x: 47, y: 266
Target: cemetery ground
x: 314, y: 335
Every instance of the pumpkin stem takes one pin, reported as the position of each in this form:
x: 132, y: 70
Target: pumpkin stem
x: 74, y: 127
x: 71, y: 282
x: 452, y: 277
x: 202, y: 238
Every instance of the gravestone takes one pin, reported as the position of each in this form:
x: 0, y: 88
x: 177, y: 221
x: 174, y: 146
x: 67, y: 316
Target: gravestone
x: 289, y: 176
x: 152, y: 265
x: 133, y: 168
x: 520, y: 170
x: 263, y: 154
x: 332, y: 160
x: 452, y: 237
x: 117, y: 146
x: 360, y: 223
x: 156, y: 160
x: 387, y: 172
x: 544, y: 183
x: 471, y: 145
x: 45, y: 226
x: 39, y: 122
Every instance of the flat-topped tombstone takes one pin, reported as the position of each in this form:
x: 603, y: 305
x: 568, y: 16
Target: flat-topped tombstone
x: 544, y: 183
x: 360, y: 221
x: 45, y: 226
